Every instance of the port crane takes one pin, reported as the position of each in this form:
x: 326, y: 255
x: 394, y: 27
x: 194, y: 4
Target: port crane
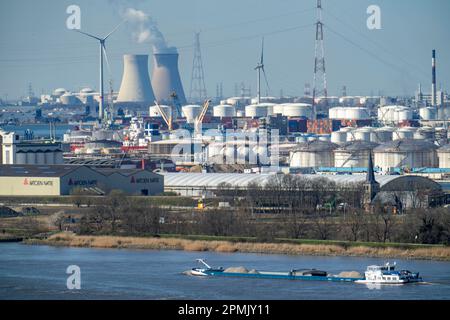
x: 199, y: 119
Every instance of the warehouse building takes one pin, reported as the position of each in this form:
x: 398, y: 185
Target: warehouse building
x: 408, y: 189
x: 57, y: 180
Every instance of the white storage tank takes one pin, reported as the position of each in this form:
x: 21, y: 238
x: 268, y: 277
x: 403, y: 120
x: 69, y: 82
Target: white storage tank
x: 259, y: 110
x: 363, y: 134
x: 154, y: 111
x: 443, y: 154
x: 69, y: 99
x: 357, y: 113
x: 382, y: 135
x: 339, y: 137
x: 224, y: 110
x: 278, y: 109
x: 354, y: 154
x: 427, y: 113
x: 426, y: 133
x: 406, y: 153
x: 404, y: 133
x: 297, y: 110
x: 314, y: 154
x: 191, y: 111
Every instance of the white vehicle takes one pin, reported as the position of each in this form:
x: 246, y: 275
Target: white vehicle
x: 388, y: 275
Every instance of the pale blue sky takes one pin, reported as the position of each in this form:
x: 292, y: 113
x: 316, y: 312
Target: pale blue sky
x: 36, y: 47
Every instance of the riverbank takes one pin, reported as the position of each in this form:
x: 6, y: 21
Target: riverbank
x: 407, y: 251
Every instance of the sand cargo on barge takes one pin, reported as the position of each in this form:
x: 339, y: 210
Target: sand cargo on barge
x: 300, y: 274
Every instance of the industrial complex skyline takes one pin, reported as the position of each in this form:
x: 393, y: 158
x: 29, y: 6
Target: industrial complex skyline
x: 37, y: 48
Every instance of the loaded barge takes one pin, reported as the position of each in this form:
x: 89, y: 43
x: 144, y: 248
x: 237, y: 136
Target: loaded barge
x: 374, y: 274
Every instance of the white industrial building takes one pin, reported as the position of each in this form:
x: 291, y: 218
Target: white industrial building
x: 206, y: 184
x: 15, y: 150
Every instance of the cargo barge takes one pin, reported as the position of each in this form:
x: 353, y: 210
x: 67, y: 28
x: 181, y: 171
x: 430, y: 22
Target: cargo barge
x: 385, y: 274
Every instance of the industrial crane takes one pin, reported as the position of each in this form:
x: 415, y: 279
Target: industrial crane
x: 167, y: 118
x: 199, y: 119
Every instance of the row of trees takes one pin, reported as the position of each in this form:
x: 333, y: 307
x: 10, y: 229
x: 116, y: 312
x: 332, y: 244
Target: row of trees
x: 119, y: 214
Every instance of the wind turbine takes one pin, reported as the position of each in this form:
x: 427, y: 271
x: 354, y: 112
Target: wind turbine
x: 259, y: 67
x: 102, y: 52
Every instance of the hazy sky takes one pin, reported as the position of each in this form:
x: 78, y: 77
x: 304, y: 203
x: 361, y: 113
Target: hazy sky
x: 36, y: 47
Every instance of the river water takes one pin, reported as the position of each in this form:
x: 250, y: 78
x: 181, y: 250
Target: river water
x: 39, y: 272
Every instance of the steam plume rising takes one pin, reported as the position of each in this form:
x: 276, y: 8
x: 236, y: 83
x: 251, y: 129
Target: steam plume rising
x: 145, y: 29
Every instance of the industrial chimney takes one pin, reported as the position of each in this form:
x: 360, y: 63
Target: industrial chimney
x: 135, y: 89
x: 166, y: 78
x: 433, y: 80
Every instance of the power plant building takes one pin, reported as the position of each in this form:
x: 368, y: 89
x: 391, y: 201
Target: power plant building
x: 166, y: 78
x: 57, y: 180
x: 135, y: 90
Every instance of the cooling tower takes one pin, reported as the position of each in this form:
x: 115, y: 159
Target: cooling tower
x: 135, y: 88
x: 166, y: 78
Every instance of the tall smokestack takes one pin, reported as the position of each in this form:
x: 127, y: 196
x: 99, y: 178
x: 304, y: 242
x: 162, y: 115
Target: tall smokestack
x: 433, y: 81
x: 135, y: 89
x: 166, y: 77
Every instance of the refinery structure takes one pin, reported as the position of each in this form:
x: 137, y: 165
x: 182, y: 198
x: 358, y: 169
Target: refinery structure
x: 150, y: 125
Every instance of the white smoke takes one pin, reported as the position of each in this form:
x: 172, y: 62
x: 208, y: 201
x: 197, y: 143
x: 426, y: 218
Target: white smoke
x: 145, y: 30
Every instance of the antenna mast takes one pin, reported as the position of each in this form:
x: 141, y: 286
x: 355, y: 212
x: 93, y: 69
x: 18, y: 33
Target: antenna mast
x: 319, y: 62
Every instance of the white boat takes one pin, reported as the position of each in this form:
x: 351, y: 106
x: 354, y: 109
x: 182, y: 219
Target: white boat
x: 388, y: 275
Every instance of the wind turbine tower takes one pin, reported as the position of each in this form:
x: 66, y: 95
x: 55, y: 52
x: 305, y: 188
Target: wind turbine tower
x: 102, y: 52
x: 198, y: 88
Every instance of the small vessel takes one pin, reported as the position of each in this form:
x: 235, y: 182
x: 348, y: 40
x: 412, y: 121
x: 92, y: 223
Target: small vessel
x: 388, y: 275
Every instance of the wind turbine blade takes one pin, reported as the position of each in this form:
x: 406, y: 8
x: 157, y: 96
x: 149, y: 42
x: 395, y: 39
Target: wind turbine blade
x: 114, y: 30
x: 87, y: 34
x: 262, y: 52
x: 265, y: 78
x: 106, y: 59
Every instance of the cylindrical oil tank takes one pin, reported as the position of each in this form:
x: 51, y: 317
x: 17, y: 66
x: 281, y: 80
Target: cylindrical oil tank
x: 324, y: 137
x: 441, y: 135
x: 314, y: 154
x: 382, y: 135
x: 21, y: 157
x: 49, y: 157
x: 278, y: 109
x: 363, y: 134
x: 69, y: 99
x: 154, y: 111
x: 58, y: 157
x: 426, y: 133
x: 404, y: 133
x: 332, y: 113
x: 213, y: 149
x: 427, y: 113
x: 403, y: 114
x: 341, y: 113
x: 297, y: 110
x: 191, y: 112
x: 40, y: 157
x: 224, y: 110
x: 406, y: 153
x: 339, y: 137
x: 444, y: 156
x: 357, y: 113
x: 31, y: 157
x: 259, y: 110
x: 354, y: 154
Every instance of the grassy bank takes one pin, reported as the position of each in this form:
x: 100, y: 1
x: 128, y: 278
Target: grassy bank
x: 405, y: 251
